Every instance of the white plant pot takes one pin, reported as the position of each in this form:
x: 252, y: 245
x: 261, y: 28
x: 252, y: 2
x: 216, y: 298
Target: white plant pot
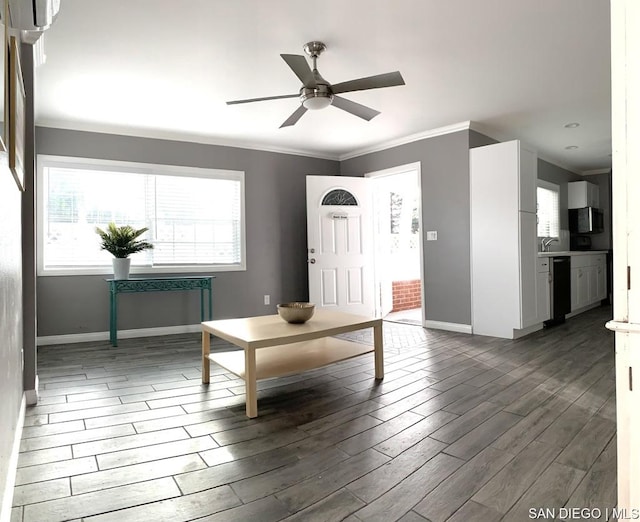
x: 121, y: 267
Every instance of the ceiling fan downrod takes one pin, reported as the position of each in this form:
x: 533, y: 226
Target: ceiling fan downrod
x: 319, y: 96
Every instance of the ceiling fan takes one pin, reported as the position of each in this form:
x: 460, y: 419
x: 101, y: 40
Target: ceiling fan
x: 317, y: 93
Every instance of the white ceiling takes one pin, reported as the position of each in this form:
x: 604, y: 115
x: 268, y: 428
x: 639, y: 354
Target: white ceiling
x: 518, y: 68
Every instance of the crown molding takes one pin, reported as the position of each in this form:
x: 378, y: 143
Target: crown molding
x: 183, y: 137
x: 490, y: 132
x: 440, y: 131
x: 596, y: 172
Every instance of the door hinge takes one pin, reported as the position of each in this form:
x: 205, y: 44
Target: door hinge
x: 630, y: 378
x: 628, y: 278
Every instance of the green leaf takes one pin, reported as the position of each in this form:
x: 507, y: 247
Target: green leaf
x: 122, y: 241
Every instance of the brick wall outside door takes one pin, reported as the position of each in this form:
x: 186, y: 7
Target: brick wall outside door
x: 406, y: 295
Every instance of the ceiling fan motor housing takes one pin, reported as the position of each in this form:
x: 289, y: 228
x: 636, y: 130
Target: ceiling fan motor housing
x: 318, y: 97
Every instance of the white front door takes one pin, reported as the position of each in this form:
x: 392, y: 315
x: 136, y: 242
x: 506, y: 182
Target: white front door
x: 340, y: 246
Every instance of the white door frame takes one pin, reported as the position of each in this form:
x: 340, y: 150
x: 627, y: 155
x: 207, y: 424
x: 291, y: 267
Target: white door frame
x: 625, y: 87
x: 401, y: 169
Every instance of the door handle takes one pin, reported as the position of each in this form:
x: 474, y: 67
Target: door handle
x: 312, y: 261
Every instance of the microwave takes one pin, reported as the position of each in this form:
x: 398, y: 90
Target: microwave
x: 587, y: 220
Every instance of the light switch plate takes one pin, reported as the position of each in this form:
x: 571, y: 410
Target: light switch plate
x: 432, y: 235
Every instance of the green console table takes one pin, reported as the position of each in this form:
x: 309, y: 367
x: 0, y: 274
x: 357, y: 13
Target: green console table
x: 154, y: 284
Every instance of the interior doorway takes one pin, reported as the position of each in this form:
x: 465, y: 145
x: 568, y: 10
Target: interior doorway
x: 398, y: 244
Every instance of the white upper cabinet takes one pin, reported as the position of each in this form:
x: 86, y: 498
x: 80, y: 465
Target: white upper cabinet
x: 583, y: 194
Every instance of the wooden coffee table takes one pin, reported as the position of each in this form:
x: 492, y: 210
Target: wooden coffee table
x: 273, y: 347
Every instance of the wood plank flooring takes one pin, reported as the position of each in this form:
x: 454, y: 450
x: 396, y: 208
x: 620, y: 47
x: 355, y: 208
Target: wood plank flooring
x: 462, y: 428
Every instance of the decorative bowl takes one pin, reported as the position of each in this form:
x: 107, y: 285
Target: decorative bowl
x: 296, y: 312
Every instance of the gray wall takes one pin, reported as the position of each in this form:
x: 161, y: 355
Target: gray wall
x: 10, y: 317
x: 479, y: 140
x: 275, y: 228
x: 11, y: 335
x: 445, y: 208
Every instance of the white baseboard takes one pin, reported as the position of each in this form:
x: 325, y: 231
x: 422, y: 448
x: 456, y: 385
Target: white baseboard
x: 32, y: 395
x: 450, y: 327
x: 10, y: 470
x: 122, y: 334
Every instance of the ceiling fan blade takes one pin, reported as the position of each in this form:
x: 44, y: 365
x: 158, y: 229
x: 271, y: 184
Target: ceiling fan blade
x: 301, y: 69
x: 293, y: 119
x: 371, y: 82
x: 357, y: 109
x: 235, y: 102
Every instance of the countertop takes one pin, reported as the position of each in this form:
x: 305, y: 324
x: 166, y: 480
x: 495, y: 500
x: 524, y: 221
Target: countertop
x: 571, y: 253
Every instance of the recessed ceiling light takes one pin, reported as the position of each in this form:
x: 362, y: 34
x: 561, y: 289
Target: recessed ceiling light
x: 571, y: 147
x: 572, y: 125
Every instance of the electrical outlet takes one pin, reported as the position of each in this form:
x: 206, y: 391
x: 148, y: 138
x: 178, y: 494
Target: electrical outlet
x: 432, y: 235
x: 267, y: 299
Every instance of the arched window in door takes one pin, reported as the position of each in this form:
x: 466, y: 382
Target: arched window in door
x: 339, y: 197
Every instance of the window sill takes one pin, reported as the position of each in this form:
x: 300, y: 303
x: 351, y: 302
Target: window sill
x: 141, y: 270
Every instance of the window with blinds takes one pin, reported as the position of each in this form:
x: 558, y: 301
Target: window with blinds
x: 548, y: 195
x: 195, y: 216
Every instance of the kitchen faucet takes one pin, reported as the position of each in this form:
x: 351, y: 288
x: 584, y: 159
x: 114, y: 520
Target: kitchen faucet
x: 546, y: 241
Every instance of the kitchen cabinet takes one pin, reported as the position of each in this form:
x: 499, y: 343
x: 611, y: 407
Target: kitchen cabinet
x: 579, y: 288
x: 601, y: 278
x: 543, y: 290
x: 592, y: 284
x: 504, y: 240
x: 588, y: 280
x: 528, y: 269
x: 583, y: 194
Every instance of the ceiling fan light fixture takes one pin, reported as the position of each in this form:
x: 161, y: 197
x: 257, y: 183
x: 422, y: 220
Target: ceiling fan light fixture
x: 315, y: 99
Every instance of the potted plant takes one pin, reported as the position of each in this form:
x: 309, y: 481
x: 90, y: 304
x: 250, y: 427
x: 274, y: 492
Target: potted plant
x: 121, y: 242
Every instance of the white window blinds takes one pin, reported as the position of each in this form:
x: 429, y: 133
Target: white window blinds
x: 548, y: 196
x: 194, y: 216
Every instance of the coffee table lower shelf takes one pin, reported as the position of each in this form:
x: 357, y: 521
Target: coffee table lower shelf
x: 287, y: 359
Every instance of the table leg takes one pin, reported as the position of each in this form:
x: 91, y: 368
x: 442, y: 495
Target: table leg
x: 206, y: 363
x: 202, y: 305
x: 210, y: 305
x: 113, y: 319
x: 378, y: 350
x: 250, y: 382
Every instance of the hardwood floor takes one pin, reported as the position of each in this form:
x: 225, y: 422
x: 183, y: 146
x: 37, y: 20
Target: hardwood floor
x: 463, y: 428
